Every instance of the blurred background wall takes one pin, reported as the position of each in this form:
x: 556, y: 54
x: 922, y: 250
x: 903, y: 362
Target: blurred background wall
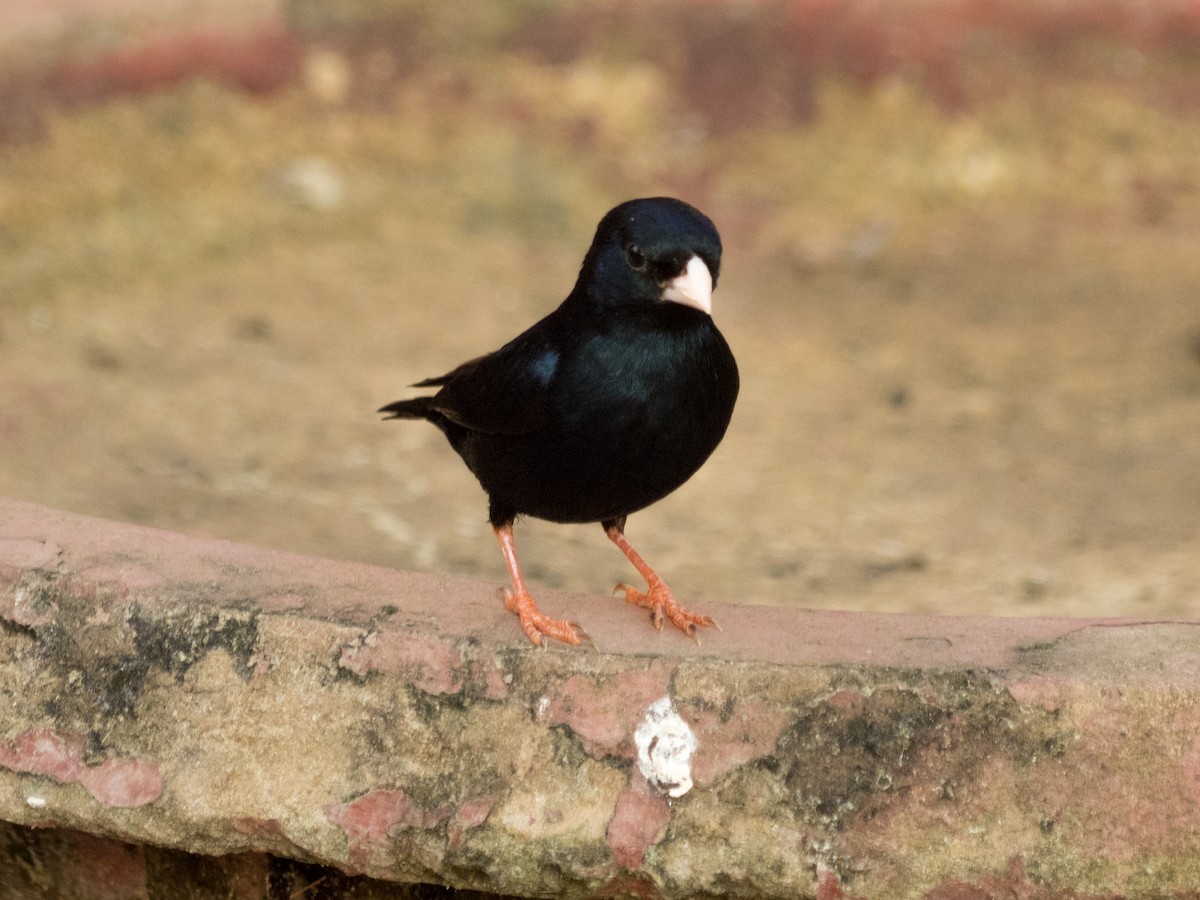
x: 961, y: 278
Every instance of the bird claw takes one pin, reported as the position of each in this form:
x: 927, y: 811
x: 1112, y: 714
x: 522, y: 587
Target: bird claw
x: 663, y: 607
x: 538, y: 626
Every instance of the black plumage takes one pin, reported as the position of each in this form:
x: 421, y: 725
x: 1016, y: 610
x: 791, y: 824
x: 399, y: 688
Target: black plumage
x: 607, y: 404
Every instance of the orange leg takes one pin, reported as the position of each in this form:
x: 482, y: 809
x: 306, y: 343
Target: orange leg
x: 657, y: 596
x: 533, y: 622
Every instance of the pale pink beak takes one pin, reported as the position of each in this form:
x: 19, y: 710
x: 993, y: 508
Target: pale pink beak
x: 692, y: 287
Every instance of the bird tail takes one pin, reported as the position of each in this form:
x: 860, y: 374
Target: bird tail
x: 416, y: 408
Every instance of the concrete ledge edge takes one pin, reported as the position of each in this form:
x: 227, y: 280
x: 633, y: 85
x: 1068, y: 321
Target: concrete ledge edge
x: 219, y: 698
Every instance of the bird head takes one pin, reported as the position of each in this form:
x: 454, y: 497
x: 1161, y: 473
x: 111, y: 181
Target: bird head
x: 651, y: 251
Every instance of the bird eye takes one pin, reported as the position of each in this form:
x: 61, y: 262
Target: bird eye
x: 637, y: 259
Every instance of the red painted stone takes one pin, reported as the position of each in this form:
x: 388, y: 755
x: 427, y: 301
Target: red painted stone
x: 256, y: 825
x: 368, y: 820
x: 432, y: 665
x: 829, y: 887
x: 1014, y: 884
x: 604, y: 714
x: 470, y: 814
x: 27, y: 553
x: 638, y: 823
x: 128, y: 576
x: 846, y: 699
x: 42, y: 751
x: 127, y: 783
x: 1037, y: 689
x: 627, y: 885
x: 748, y: 733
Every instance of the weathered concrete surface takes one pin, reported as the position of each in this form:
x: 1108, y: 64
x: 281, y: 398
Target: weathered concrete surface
x: 223, y: 699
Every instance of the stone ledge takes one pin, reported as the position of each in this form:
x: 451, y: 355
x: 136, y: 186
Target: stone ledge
x: 216, y: 698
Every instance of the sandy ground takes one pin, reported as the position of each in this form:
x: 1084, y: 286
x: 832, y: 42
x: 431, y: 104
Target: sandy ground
x: 970, y: 345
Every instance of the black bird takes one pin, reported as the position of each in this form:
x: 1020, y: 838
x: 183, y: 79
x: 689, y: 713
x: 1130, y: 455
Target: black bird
x: 607, y: 404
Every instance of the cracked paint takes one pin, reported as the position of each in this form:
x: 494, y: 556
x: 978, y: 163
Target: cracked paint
x: 116, y: 782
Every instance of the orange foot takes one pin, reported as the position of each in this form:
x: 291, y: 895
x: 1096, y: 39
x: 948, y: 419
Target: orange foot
x: 538, y: 626
x: 663, y: 606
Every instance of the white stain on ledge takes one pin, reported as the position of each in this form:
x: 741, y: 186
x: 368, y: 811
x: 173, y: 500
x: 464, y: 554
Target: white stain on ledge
x: 665, y: 745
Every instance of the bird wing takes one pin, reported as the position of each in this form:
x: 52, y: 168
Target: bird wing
x: 502, y: 393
